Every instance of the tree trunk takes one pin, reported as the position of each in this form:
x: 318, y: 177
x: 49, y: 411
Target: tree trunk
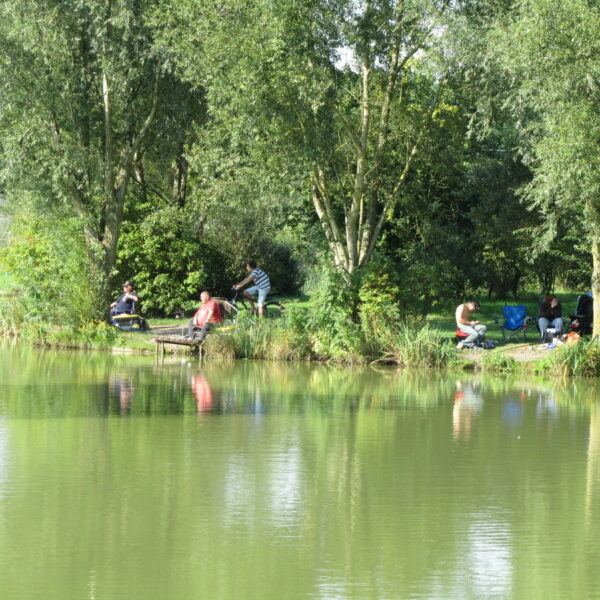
x: 596, y: 283
x: 116, y: 185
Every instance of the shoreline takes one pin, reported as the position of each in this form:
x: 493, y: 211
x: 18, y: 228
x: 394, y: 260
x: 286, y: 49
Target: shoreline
x: 527, y: 357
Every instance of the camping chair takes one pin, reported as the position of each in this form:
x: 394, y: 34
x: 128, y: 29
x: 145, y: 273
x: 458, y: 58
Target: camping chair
x: 516, y: 322
x: 130, y: 321
x: 583, y: 319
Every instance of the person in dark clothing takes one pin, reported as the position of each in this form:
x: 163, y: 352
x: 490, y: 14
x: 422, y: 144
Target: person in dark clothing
x: 583, y: 319
x: 550, y: 316
x: 125, y: 303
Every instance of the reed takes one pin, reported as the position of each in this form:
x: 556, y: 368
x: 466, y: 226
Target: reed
x: 412, y: 346
x: 577, y: 360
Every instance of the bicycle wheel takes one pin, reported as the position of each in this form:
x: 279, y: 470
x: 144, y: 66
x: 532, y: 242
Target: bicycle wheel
x: 273, y: 309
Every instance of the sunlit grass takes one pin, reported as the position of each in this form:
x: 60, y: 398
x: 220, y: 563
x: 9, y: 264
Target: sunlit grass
x: 6, y: 282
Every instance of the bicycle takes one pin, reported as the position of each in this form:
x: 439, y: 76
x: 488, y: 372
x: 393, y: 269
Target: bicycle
x: 272, y: 308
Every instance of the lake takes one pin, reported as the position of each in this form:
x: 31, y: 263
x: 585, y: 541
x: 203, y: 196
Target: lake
x: 125, y: 477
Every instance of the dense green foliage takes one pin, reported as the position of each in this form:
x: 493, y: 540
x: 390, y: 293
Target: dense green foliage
x: 55, y: 278
x: 388, y: 158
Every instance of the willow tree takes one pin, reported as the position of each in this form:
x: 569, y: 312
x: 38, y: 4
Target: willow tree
x: 550, y: 54
x: 79, y: 84
x: 339, y: 92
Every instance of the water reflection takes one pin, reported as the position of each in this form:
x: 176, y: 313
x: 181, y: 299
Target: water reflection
x: 489, y: 556
x: 592, y: 492
x: 122, y: 389
x: 4, y: 456
x: 468, y: 401
x: 295, y: 481
x: 202, y: 394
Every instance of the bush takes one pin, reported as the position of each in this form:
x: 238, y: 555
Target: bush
x: 46, y: 260
x: 167, y: 262
x: 331, y: 325
x: 379, y: 308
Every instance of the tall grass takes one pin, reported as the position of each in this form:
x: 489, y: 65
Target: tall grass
x: 417, y: 347
x: 262, y: 339
x: 30, y: 328
x: 498, y: 363
x: 404, y: 345
x: 578, y: 360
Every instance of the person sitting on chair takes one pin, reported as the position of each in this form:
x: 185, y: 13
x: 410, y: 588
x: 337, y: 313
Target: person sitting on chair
x: 208, y: 313
x: 125, y: 303
x: 261, y: 287
x: 464, y: 321
x: 550, y: 316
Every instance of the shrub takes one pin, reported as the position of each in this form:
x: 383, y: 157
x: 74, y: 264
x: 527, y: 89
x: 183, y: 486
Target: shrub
x: 46, y: 259
x: 166, y: 261
x: 379, y: 309
x: 334, y: 331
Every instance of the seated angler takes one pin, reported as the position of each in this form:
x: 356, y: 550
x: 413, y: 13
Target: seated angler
x: 550, y: 316
x: 464, y: 321
x: 206, y: 316
x: 125, y: 303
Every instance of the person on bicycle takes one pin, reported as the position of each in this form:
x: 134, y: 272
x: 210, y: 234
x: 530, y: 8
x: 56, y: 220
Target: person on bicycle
x: 208, y: 313
x: 261, y: 287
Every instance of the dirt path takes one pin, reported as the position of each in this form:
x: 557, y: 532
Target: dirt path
x: 521, y: 353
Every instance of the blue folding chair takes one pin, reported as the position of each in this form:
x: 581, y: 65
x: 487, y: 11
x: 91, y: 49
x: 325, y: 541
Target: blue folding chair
x: 516, y: 322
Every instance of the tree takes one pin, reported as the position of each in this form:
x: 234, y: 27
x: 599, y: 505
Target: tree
x: 276, y: 82
x: 80, y: 86
x: 550, y: 53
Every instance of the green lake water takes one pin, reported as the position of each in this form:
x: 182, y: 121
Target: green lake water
x: 125, y: 478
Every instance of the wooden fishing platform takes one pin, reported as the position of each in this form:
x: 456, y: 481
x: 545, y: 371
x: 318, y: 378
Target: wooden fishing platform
x: 162, y: 340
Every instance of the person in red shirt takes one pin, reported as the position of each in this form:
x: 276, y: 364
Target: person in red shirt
x: 208, y: 313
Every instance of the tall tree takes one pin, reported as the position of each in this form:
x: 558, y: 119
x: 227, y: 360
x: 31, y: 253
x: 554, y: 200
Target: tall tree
x: 80, y: 85
x: 337, y: 91
x: 550, y: 52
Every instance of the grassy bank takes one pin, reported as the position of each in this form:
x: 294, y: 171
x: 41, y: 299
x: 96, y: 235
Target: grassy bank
x: 299, y: 335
